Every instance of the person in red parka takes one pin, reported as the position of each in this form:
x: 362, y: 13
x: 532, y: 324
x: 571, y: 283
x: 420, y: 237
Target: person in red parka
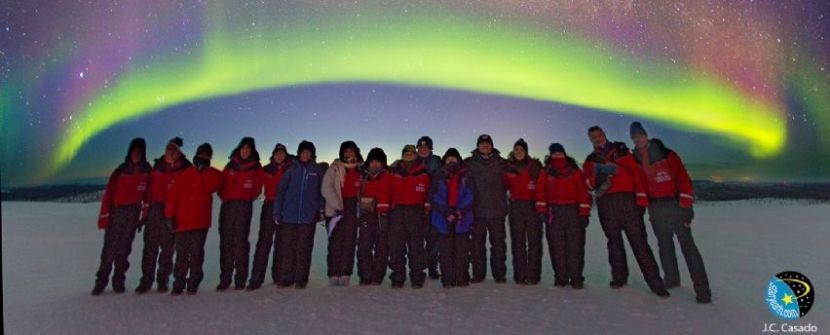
x: 564, y: 203
x: 671, y: 196
x: 373, y: 227
x: 156, y: 235
x: 268, y: 232
x: 188, y: 212
x: 410, y: 184
x: 612, y: 173
x: 522, y: 177
x: 120, y: 215
x: 241, y: 186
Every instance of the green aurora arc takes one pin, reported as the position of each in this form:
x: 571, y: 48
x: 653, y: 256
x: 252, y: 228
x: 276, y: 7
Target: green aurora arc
x: 434, y: 50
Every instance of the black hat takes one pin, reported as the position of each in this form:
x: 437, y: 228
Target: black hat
x: 279, y: 147
x: 521, y: 142
x: 484, y: 138
x: 137, y: 142
x: 177, y: 141
x: 451, y: 152
x: 425, y: 141
x: 306, y: 145
x: 347, y: 145
x: 556, y: 147
x: 376, y: 154
x: 206, y: 148
x: 249, y: 141
x: 637, y: 128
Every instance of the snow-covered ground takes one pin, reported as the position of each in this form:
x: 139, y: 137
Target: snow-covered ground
x: 51, y: 252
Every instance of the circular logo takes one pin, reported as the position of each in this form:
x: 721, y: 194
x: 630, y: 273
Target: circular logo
x: 790, y: 295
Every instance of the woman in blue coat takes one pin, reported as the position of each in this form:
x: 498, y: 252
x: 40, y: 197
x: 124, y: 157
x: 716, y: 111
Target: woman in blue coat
x: 297, y: 207
x: 452, y: 216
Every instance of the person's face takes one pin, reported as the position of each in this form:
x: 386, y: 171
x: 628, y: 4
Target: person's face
x: 172, y: 153
x: 245, y: 152
x: 424, y: 151
x: 519, y: 152
x: 374, y: 165
x: 204, y: 155
x: 640, y: 140
x: 597, y: 138
x: 485, y: 148
x: 451, y: 160
x: 279, y: 156
x: 135, y: 155
x: 558, y: 155
x: 349, y: 154
x: 409, y: 155
x: 305, y: 156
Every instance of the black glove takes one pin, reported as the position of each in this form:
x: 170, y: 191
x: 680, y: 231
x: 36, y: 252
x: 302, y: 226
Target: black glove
x: 141, y: 224
x: 584, y: 220
x: 641, y: 211
x: 544, y: 217
x: 688, y: 214
x: 171, y: 224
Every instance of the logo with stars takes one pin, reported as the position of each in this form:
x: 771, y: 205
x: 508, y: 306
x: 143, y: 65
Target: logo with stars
x: 790, y: 295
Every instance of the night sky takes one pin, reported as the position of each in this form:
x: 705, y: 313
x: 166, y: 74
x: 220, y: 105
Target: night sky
x: 740, y: 89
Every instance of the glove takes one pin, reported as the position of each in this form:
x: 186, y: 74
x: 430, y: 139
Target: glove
x: 584, y: 211
x: 688, y: 214
x: 641, y: 211
x: 171, y: 224
x: 584, y: 220
x: 141, y: 223
x: 103, y: 221
x: 544, y: 217
x: 642, y: 201
x: 686, y: 200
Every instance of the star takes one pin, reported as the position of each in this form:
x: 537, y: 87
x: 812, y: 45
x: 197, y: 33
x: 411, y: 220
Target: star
x: 788, y: 299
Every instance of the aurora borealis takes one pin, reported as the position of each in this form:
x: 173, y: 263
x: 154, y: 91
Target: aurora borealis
x: 742, y: 88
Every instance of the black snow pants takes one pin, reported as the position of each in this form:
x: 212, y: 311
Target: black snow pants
x: 618, y: 213
x: 666, y: 218
x: 525, y: 241
x: 118, y: 242
x: 234, y: 248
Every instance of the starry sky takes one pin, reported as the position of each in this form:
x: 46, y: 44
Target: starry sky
x: 740, y: 89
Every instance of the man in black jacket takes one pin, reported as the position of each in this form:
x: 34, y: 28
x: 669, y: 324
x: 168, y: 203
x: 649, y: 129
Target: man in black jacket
x: 486, y: 168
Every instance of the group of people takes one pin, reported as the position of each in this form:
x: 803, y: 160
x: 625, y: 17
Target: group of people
x: 428, y: 214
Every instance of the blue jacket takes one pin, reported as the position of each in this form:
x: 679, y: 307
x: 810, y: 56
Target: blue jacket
x: 299, y: 200
x: 441, y: 208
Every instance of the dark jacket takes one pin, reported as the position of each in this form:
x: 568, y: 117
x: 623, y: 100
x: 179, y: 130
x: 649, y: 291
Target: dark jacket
x: 488, y: 183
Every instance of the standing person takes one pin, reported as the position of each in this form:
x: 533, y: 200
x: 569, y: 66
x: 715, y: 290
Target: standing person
x: 373, y: 235
x: 157, y: 237
x: 564, y: 204
x: 486, y: 168
x: 410, y: 205
x: 121, y: 211
x: 298, y: 206
x: 242, y: 185
x: 433, y: 164
x: 341, y: 186
x: 525, y: 225
x: 452, y: 216
x: 670, y: 210
x: 188, y: 211
x: 612, y: 172
x: 268, y: 232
